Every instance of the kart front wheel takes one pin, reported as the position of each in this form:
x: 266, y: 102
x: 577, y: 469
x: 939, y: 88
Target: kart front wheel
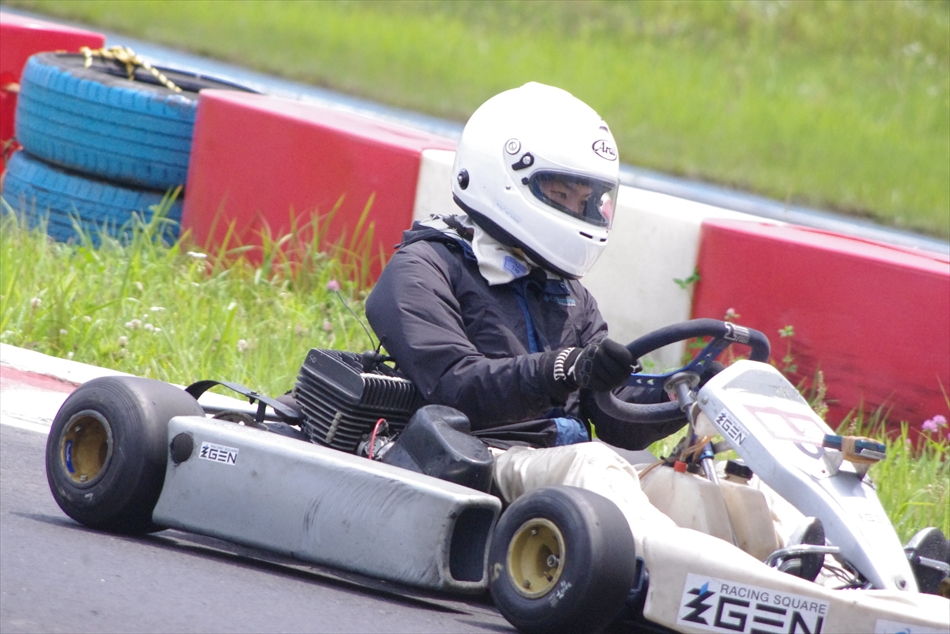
x: 561, y: 559
x: 108, y: 447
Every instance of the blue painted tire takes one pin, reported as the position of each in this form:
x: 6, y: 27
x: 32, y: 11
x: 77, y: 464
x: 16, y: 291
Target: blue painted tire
x: 36, y: 190
x: 96, y: 121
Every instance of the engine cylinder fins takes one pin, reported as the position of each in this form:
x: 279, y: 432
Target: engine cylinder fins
x: 341, y: 400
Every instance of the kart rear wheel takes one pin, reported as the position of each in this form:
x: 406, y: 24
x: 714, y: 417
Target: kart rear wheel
x: 561, y: 559
x: 107, y: 450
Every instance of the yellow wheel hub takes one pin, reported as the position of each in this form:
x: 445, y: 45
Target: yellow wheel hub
x: 86, y: 447
x: 536, y: 558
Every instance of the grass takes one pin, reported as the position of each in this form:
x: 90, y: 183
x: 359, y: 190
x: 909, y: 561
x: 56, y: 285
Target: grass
x: 174, y: 314
x: 913, y: 483
x: 842, y: 105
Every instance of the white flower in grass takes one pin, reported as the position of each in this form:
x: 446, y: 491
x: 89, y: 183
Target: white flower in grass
x: 36, y: 302
x: 135, y: 324
x: 63, y: 331
x: 198, y: 256
x: 139, y: 286
x: 157, y: 330
x: 87, y: 319
x: 231, y: 306
x: 156, y: 309
x: 123, y: 341
x: 242, y: 345
x: 149, y: 327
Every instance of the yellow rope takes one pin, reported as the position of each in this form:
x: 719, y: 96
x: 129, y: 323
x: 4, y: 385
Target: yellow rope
x: 125, y: 55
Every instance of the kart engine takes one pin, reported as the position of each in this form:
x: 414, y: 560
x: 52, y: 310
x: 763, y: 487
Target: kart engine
x: 344, y: 394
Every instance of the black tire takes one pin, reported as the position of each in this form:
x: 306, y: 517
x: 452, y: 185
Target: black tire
x: 929, y: 543
x: 37, y: 190
x: 108, y: 448
x: 584, y: 587
x: 96, y: 121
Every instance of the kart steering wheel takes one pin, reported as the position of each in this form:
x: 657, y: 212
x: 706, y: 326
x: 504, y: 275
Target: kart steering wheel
x: 724, y: 334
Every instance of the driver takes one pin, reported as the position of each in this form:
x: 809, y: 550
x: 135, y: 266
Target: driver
x: 482, y: 308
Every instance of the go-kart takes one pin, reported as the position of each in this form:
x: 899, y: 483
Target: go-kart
x: 359, y: 477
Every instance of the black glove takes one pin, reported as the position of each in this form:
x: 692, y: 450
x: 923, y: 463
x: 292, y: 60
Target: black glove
x: 599, y: 366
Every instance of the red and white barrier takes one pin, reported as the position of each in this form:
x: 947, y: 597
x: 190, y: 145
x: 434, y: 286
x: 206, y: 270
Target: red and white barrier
x: 258, y: 159
x: 654, y: 240
x: 874, y: 318
x: 21, y: 37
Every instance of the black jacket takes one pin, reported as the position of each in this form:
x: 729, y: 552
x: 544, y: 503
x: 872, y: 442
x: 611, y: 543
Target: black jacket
x: 467, y: 344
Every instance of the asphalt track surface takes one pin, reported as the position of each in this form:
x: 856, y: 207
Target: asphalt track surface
x: 58, y: 576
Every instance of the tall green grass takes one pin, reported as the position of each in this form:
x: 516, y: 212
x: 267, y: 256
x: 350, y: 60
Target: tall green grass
x: 838, y: 104
x: 173, y: 313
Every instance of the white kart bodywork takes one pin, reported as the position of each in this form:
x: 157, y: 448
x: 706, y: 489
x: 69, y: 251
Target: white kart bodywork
x: 700, y: 583
x: 704, y: 583
x: 324, y: 506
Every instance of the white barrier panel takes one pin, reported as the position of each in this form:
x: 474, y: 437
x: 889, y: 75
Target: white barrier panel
x: 654, y: 241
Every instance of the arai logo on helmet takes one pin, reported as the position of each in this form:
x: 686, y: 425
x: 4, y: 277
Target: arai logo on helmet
x: 605, y: 150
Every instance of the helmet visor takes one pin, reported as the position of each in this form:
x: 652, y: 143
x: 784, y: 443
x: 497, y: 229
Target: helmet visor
x: 588, y: 199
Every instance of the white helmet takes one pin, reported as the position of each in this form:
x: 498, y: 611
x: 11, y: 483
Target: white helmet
x: 537, y: 169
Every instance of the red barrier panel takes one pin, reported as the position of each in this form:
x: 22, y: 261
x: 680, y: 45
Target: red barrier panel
x: 256, y: 159
x: 21, y: 37
x: 874, y: 318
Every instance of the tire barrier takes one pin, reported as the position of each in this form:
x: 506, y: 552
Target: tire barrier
x: 97, y: 121
x: 106, y: 136
x: 21, y: 37
x: 65, y: 199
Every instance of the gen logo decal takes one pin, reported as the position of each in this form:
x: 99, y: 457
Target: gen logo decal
x: 731, y: 428
x: 717, y: 605
x: 218, y: 453
x: 605, y: 150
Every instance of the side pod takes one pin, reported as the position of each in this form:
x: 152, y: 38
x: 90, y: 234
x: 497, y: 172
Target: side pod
x: 324, y: 506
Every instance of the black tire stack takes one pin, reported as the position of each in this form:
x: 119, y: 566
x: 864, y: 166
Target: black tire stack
x: 99, y: 147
